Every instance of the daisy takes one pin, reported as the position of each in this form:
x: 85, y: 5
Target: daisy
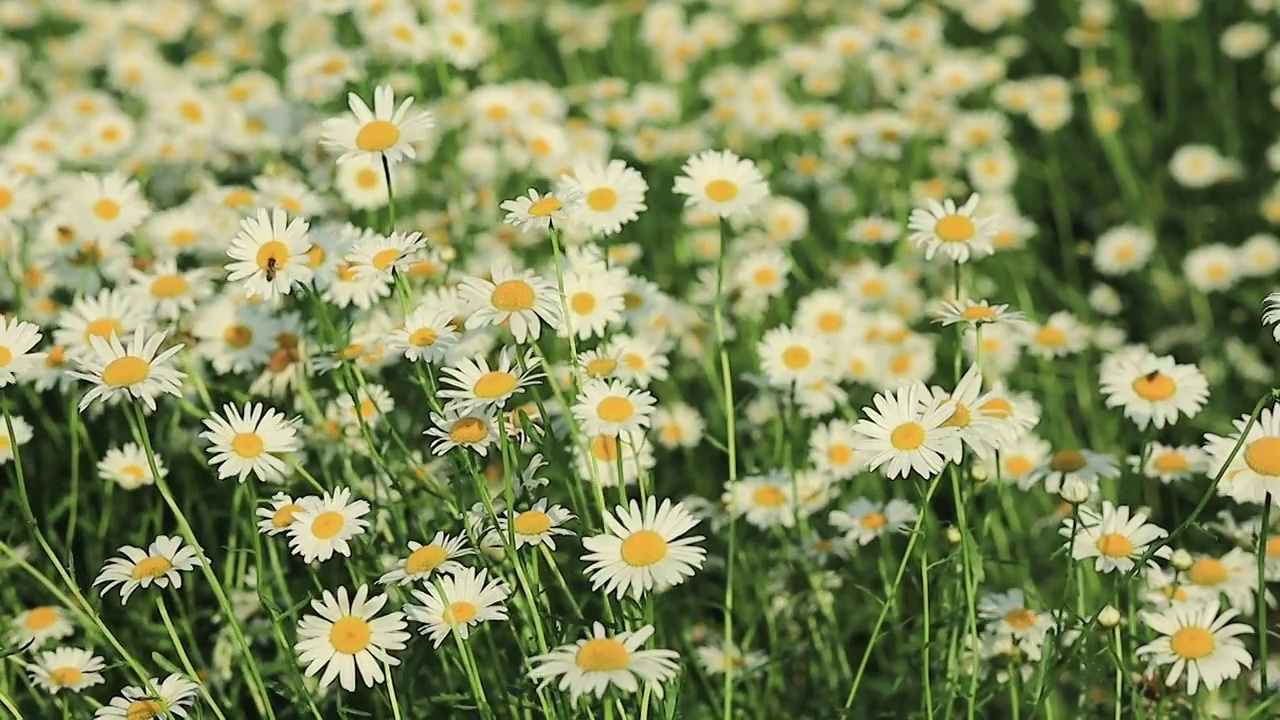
x: 793, y: 356
x: 720, y: 182
x: 38, y: 625
x: 1212, y: 267
x: 104, y: 208
x: 345, y: 636
x: 456, y: 603
x: 831, y: 450
x: 440, y: 556
x: 957, y: 231
x: 16, y: 340
x: 1154, y: 390
x: 475, y: 430
x: 383, y: 134
x: 1169, y: 463
x: 719, y: 658
x: 270, y: 254
x: 471, y: 384
x: 427, y: 335
x: 162, y: 564
x: 766, y: 501
x: 523, y: 301
x: 612, y: 195
x: 1199, y: 640
x: 324, y: 525
x: 251, y: 440
x: 1114, y: 537
x: 1062, y: 334
x: 975, y: 313
x: 611, y: 408
x: 865, y: 520
x: 982, y: 429
x: 375, y: 255
x: 1007, y: 615
x: 167, y: 699
x: 594, y: 299
x: 118, y: 371
x: 277, y: 518
x: 593, y: 664
x: 1234, y: 575
x: 128, y: 467
x: 540, y: 212
x: 22, y: 434
x: 71, y: 669
x: 1122, y: 250
x: 643, y: 550
x: 902, y: 435
x: 1066, y: 465
x: 1254, y: 472
x: 536, y: 526
x: 679, y: 426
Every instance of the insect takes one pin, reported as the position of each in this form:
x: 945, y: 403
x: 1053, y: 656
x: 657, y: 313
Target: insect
x: 271, y: 269
x: 1151, y: 376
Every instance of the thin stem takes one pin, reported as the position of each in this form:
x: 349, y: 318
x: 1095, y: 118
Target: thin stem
x: 726, y: 378
x: 182, y: 655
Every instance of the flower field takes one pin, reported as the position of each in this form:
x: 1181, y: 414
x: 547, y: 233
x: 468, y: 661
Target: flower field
x: 639, y: 359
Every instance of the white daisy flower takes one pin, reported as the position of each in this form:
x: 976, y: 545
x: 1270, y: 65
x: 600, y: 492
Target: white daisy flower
x: 1197, y: 640
x: 610, y: 408
x: 427, y: 335
x: 1169, y: 463
x: 168, y: 699
x: 345, y: 636
x: 789, y: 356
x: 270, y: 254
x: 1154, y: 390
x: 765, y: 501
x: 536, y: 526
x: 39, y: 625
x: 1254, y: 472
x: 1008, y: 615
x: 22, y: 434
x: 71, y: 669
x: 719, y: 658
x: 376, y: 256
x: 1115, y: 538
x: 475, y: 430
x: 456, y: 603
x: 16, y: 340
x: 277, y: 518
x: 161, y: 564
x: 118, y: 371
x: 524, y: 301
x: 644, y: 551
x: 719, y: 181
x: 439, y: 556
x: 386, y: 133
x: 612, y: 195
x: 324, y: 525
x: 902, y: 435
x: 864, y: 520
x: 540, y: 212
x: 958, y: 231
x: 471, y: 384
x: 127, y: 466
x: 251, y: 440
x: 1064, y: 466
x: 593, y: 664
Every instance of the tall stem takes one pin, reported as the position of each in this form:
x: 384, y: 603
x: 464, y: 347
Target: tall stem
x: 731, y: 442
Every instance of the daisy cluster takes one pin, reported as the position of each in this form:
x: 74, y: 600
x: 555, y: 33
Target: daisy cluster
x: 746, y: 358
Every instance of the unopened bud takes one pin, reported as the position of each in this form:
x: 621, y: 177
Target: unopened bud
x: 953, y: 534
x: 1109, y: 617
x: 1182, y: 560
x: 1075, y: 491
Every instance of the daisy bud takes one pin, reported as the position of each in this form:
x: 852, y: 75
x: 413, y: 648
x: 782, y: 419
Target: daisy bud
x: 978, y: 474
x: 1075, y: 491
x: 1109, y: 617
x: 953, y: 535
x: 1181, y: 560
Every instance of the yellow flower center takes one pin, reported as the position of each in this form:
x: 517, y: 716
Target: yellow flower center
x: 422, y: 337
x: 6, y: 197
x: 602, y: 655
x: 383, y: 259
x: 532, y: 522
x: 513, y: 296
x: 602, y: 199
x: 494, y: 384
x: 468, y: 430
x: 1155, y: 387
x: 907, y: 436
x: 134, y: 471
x: 839, y: 454
x: 65, y: 676
x: 350, y: 634
x: 40, y: 618
x: 1192, y: 643
x: 6, y: 356
x: 1020, y: 618
x: 272, y: 250
x: 169, y: 286
x: 106, y: 209
x: 237, y: 336
x: 600, y: 367
x: 900, y: 363
x: 996, y: 407
x: 954, y: 228
x: 544, y: 206
x: 643, y: 548
x: 151, y: 567
x: 615, y: 409
x: 103, y: 327
x: 283, y: 516
x: 1171, y: 461
x: 582, y: 303
x: 721, y: 190
x: 327, y: 524
x: 604, y: 447
x: 1050, y: 336
x: 247, y: 444
x: 458, y: 612
x: 377, y: 136
x: 125, y: 371
x: 764, y: 276
x: 1017, y: 465
x: 959, y: 417
x: 633, y: 360
x: 425, y: 559
x: 978, y: 312
x: 829, y: 322
x: 1263, y: 456
x: 873, y: 521
x: 1273, y: 546
x: 144, y: 710
x: 1068, y: 461
x: 1208, y: 572
x: 768, y: 496
x: 366, y: 178
x: 1115, y: 545
x: 796, y: 357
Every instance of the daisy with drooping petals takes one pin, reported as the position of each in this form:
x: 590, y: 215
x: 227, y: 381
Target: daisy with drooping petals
x: 475, y: 430
x: 387, y: 133
x: 539, y: 212
x: 168, y: 699
x: 611, y: 408
x: 644, y: 550
x: 438, y: 556
x: 958, y: 231
x: 1254, y: 472
x: 976, y: 312
x: 16, y: 340
x: 981, y: 432
x: 162, y: 564
x: 902, y: 435
x: 720, y: 182
x: 324, y: 525
x: 1065, y: 465
x: 1154, y: 390
x: 536, y: 526
x: 1115, y: 537
x: 521, y: 300
x: 129, y: 468
x: 375, y: 255
x: 1199, y: 640
x: 346, y: 636
x: 40, y: 624
x: 456, y: 603
x: 427, y: 335
x: 270, y: 254
x: 118, y: 371
x: 277, y: 518
x: 251, y: 440
x: 612, y: 195
x: 71, y: 669
x: 592, y: 665
x: 471, y: 384
x: 865, y: 520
